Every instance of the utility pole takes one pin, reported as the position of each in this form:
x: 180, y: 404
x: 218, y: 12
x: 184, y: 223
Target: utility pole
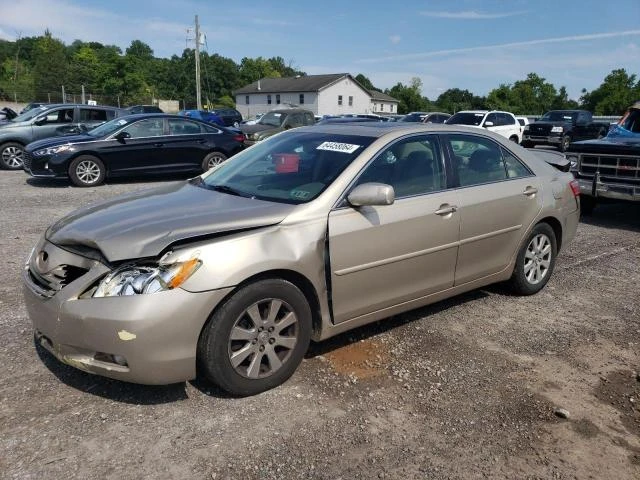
x: 198, y: 94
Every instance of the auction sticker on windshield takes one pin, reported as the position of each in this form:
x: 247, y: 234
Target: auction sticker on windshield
x: 338, y: 147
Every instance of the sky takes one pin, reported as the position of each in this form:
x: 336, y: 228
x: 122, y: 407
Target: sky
x: 468, y: 44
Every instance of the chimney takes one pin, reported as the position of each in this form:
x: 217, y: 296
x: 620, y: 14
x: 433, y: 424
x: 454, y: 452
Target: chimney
x: 259, y: 85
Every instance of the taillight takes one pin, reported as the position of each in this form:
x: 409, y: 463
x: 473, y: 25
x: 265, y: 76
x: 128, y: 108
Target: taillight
x: 239, y: 138
x: 575, y: 187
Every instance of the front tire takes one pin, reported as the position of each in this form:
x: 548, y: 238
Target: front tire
x: 257, y: 338
x: 212, y: 160
x: 535, y: 261
x: 527, y: 144
x: 587, y: 204
x: 514, y: 139
x: 11, y: 156
x: 87, y: 171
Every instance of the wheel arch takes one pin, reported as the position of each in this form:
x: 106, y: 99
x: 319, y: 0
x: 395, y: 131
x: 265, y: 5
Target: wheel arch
x: 296, y: 278
x: 555, y: 224
x: 86, y: 153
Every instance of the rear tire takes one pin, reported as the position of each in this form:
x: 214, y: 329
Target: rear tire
x: 87, y: 171
x: 11, y: 156
x: 257, y: 338
x: 535, y: 261
x: 212, y: 160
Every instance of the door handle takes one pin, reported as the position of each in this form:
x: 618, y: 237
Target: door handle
x: 530, y: 191
x: 158, y: 144
x: 446, y: 209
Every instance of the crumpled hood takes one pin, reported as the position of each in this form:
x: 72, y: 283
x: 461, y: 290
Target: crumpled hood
x: 55, y: 141
x: 144, y: 223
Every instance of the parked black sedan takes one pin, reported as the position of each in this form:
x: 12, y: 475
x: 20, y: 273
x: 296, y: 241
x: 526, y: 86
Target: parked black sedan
x: 133, y: 145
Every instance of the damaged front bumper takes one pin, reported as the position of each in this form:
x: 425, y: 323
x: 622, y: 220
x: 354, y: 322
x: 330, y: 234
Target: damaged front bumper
x: 148, y: 339
x: 595, y: 187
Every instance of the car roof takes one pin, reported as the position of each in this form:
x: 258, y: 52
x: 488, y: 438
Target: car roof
x: 380, y: 129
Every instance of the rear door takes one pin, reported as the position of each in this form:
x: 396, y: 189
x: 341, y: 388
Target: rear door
x: 381, y: 256
x: 498, y: 199
x: 185, y: 147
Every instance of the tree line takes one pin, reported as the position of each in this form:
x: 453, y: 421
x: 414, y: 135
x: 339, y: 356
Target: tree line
x: 35, y: 69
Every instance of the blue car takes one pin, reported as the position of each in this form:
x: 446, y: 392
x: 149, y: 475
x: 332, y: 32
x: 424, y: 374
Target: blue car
x: 203, y: 115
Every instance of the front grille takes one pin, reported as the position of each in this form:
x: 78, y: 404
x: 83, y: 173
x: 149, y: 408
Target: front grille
x: 26, y: 160
x: 539, y: 129
x: 625, y: 168
x: 56, y: 279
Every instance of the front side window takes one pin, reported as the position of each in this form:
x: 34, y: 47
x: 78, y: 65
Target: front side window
x: 293, y: 167
x: 492, y: 118
x: 64, y: 115
x: 476, y: 160
x: 150, y: 127
x: 411, y: 166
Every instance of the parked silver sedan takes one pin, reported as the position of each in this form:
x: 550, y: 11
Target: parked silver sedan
x: 306, y: 235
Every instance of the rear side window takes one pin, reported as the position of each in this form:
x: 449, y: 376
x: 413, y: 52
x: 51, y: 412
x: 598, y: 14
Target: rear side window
x: 94, y: 115
x: 515, y: 168
x: 476, y: 160
x: 178, y: 126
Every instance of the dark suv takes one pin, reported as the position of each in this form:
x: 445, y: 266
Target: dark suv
x: 277, y: 121
x: 48, y: 121
x: 230, y: 116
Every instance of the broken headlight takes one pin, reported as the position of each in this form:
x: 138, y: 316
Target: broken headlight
x: 146, y: 278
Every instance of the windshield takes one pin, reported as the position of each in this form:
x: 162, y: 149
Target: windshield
x: 273, y: 119
x: 294, y: 167
x: 28, y: 115
x: 559, y: 116
x: 108, y: 128
x: 466, y: 118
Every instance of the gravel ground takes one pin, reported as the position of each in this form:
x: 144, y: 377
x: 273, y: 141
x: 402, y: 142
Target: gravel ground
x: 482, y: 385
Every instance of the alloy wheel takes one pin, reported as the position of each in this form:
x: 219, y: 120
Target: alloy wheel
x: 263, y: 338
x: 13, y: 157
x: 537, y: 259
x: 88, y: 172
x: 214, y: 161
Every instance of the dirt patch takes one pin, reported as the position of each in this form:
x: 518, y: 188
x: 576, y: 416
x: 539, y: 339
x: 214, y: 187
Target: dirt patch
x: 586, y: 428
x: 621, y: 390
x: 363, y: 359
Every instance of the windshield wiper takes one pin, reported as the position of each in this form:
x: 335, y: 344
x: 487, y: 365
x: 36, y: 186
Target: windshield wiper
x: 229, y: 190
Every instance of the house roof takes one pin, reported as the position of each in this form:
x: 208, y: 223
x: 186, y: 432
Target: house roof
x: 306, y: 83
x: 376, y: 95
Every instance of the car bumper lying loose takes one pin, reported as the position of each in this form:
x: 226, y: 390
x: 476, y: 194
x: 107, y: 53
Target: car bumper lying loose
x: 148, y: 339
x: 615, y: 191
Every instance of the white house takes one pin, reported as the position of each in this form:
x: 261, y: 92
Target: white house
x: 382, y: 103
x: 332, y: 94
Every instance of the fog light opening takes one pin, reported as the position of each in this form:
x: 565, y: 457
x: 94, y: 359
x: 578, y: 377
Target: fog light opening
x: 109, y: 358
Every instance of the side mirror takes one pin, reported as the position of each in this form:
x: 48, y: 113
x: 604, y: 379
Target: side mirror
x: 122, y: 136
x: 488, y: 124
x: 40, y: 121
x: 371, y: 194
